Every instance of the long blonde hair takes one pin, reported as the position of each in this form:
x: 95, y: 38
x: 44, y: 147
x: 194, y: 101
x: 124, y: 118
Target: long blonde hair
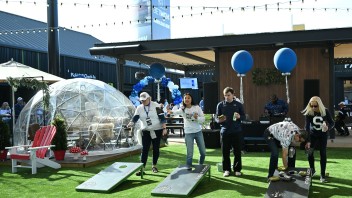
x: 309, y: 110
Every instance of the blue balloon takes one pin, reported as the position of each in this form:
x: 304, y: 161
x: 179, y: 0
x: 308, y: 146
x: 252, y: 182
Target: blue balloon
x: 157, y: 70
x: 285, y: 60
x: 242, y: 61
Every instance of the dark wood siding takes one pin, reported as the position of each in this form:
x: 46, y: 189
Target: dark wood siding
x: 311, y: 64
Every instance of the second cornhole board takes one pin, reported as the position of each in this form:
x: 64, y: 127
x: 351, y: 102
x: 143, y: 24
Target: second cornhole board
x: 109, y: 178
x: 298, y: 187
x: 181, y: 182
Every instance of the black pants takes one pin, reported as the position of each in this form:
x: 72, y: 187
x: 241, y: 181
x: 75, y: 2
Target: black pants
x: 229, y: 141
x: 318, y: 141
x: 274, y: 145
x: 146, y: 142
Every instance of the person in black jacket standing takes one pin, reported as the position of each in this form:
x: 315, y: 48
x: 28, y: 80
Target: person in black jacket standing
x: 318, y: 122
x: 229, y: 114
x: 340, y: 125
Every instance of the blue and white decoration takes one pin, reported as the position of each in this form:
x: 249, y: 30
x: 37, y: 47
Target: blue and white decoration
x: 157, y: 75
x: 242, y: 62
x: 285, y: 60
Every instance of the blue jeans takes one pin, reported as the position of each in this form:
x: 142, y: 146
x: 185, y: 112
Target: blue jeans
x: 189, y: 140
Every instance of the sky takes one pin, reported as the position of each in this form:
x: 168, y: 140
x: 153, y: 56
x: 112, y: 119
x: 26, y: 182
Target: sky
x: 196, y: 18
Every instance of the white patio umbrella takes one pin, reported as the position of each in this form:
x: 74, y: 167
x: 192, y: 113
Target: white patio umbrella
x: 17, y: 70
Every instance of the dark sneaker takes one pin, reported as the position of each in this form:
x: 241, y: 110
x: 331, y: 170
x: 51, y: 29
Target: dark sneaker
x: 313, y: 172
x: 155, y: 170
x: 139, y: 173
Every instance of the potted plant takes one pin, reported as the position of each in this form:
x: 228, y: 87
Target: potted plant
x: 60, y: 138
x: 4, y: 139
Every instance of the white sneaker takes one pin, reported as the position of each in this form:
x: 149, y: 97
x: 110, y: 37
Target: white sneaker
x: 226, y: 173
x: 323, y: 180
x: 238, y: 173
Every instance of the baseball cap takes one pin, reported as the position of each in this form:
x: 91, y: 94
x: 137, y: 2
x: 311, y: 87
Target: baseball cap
x: 19, y: 98
x: 342, y: 103
x: 144, y: 96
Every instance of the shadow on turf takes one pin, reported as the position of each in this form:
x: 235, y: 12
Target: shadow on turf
x: 335, y: 187
x: 221, y: 183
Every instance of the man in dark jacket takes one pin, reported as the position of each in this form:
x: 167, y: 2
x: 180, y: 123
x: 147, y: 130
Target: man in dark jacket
x: 229, y: 114
x: 340, y: 125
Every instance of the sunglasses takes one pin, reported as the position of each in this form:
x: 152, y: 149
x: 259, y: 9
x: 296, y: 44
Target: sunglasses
x: 314, y: 106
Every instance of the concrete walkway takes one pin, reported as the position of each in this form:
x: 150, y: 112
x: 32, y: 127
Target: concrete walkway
x: 339, y: 141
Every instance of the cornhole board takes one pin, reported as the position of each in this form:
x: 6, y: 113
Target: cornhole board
x: 298, y: 187
x: 109, y: 178
x: 181, y: 182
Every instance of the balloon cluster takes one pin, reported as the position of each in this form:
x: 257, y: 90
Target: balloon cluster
x: 165, y: 82
x: 176, y: 94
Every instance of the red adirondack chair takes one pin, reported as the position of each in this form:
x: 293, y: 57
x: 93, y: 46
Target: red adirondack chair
x: 35, y: 157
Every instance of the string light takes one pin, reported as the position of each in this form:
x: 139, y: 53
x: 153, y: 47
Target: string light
x: 217, y: 9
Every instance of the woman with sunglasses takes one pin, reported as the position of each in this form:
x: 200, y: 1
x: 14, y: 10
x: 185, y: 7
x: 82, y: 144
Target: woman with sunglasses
x: 193, y: 117
x: 318, y: 122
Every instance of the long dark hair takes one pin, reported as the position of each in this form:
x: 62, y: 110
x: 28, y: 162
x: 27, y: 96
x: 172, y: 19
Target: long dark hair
x: 183, y: 101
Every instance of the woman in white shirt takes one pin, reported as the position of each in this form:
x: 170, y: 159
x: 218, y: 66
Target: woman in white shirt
x: 153, y: 127
x: 192, y: 118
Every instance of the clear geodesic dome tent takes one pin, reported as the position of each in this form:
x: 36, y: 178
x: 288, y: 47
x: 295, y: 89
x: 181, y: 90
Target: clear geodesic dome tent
x: 94, y: 111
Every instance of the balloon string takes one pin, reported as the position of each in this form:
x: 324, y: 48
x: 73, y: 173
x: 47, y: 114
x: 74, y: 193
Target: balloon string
x: 287, y: 94
x: 158, y: 96
x: 241, y: 91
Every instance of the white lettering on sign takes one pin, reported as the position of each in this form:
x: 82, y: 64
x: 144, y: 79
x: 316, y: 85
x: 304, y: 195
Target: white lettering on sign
x: 78, y: 75
x: 348, y: 66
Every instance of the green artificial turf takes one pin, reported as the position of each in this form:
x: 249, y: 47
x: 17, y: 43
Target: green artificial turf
x: 61, y: 183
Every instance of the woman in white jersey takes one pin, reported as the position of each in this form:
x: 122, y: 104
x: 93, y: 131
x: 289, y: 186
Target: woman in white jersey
x: 193, y: 117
